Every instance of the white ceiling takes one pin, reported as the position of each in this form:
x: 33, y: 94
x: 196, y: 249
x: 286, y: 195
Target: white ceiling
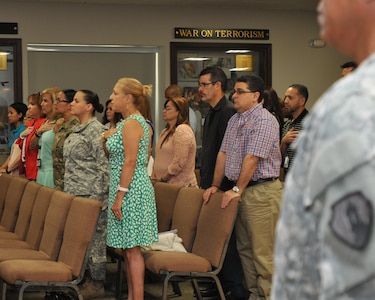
x: 305, y: 5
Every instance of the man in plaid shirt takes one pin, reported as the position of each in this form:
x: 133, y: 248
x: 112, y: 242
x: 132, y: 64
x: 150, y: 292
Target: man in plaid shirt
x: 250, y: 156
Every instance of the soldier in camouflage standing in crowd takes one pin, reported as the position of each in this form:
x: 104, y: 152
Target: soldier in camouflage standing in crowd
x: 63, y: 128
x: 87, y: 175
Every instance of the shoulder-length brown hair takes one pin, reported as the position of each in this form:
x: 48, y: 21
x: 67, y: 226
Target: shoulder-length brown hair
x: 182, y: 107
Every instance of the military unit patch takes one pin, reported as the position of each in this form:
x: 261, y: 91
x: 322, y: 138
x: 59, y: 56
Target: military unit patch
x: 351, y: 220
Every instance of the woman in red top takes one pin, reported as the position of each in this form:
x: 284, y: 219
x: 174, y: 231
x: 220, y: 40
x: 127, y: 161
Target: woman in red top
x: 29, y: 156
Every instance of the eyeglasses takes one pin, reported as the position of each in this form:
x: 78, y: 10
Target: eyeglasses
x: 169, y: 108
x: 240, y: 92
x: 204, y: 84
x: 60, y: 100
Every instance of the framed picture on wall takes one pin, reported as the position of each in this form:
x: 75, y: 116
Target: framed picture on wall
x: 235, y: 59
x: 188, y: 70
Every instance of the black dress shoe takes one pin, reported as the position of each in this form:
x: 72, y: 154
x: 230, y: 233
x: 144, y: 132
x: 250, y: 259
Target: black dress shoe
x: 210, y: 292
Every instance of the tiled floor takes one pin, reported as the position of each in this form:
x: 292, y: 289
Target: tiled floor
x: 153, y: 290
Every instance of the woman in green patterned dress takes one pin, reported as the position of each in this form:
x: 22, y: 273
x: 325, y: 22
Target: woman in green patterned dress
x: 132, y: 221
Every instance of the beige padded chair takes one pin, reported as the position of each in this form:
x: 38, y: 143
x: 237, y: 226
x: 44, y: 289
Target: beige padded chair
x: 214, y: 229
x: 12, y: 203
x: 51, y: 239
x: 68, y: 270
x: 24, y: 215
x: 166, y: 195
x: 4, y: 184
x: 36, y: 227
x: 185, y: 214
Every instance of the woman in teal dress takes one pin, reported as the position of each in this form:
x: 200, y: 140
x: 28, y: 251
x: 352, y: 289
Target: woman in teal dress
x: 132, y: 221
x: 44, y: 136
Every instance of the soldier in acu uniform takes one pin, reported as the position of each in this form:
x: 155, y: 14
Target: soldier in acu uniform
x: 325, y: 247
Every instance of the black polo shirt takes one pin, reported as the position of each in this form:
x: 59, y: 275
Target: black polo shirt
x: 214, y: 128
x: 290, y: 152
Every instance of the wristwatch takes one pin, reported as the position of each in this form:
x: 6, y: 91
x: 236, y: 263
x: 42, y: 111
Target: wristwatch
x: 236, y: 189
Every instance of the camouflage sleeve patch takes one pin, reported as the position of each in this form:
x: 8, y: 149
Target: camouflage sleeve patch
x: 351, y: 220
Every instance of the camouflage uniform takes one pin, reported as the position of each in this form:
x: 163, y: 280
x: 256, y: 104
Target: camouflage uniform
x: 325, y: 246
x: 57, y: 152
x: 86, y: 174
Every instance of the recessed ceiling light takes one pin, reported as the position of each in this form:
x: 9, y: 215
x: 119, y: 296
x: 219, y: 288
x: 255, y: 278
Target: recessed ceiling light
x: 240, y: 69
x: 196, y: 58
x: 237, y: 51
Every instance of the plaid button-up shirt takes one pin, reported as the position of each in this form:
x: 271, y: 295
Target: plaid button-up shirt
x: 254, y: 132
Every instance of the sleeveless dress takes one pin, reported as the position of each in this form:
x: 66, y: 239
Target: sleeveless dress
x: 45, y: 168
x: 139, y: 222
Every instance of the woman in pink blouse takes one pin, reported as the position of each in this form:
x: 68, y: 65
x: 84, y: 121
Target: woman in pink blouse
x: 176, y: 147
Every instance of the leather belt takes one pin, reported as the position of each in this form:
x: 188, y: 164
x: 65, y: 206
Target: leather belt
x: 261, y: 180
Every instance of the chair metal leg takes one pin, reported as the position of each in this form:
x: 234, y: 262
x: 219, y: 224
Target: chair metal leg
x: 3, y: 290
x: 219, y: 288
x: 176, y: 288
x: 196, y: 288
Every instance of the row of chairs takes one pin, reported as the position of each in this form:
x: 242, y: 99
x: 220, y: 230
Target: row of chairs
x: 44, y: 237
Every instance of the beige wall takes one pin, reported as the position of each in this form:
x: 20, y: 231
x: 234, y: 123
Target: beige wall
x: 292, y: 60
x: 95, y: 71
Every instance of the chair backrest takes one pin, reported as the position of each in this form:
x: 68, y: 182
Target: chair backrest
x: 41, y: 204
x: 185, y: 214
x: 79, y: 229
x: 26, y: 208
x: 4, y: 185
x: 12, y: 203
x: 215, y: 225
x: 54, y: 224
x: 165, y: 195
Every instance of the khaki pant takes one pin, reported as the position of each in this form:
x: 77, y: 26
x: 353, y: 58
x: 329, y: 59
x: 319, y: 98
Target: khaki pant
x: 255, y: 231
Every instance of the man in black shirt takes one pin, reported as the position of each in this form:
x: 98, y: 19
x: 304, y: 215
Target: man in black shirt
x: 295, y: 100
x: 212, y: 86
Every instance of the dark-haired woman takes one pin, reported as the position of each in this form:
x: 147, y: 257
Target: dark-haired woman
x: 110, y: 118
x: 62, y: 129
x: 86, y: 175
x: 16, y: 114
x: 271, y: 102
x: 176, y: 147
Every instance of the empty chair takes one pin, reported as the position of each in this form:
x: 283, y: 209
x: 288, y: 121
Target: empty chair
x: 4, y: 184
x: 36, y: 226
x: 12, y: 203
x: 68, y: 270
x: 24, y: 215
x: 52, y: 232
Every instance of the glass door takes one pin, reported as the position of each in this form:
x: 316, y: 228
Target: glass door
x: 10, y: 86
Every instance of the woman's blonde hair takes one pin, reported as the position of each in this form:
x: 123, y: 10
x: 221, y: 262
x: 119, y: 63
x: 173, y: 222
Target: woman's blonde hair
x: 53, y: 92
x: 140, y: 92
